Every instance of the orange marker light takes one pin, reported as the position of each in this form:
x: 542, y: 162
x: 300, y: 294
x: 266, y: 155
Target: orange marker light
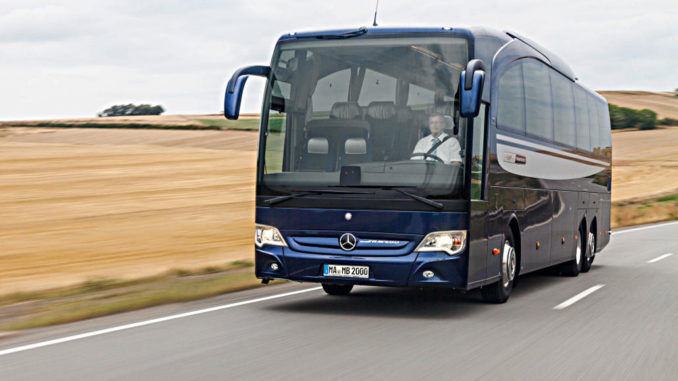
x: 495, y: 251
x: 538, y: 244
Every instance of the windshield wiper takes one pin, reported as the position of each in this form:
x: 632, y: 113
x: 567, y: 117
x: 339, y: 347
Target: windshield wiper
x: 422, y: 199
x: 353, y: 33
x: 286, y: 197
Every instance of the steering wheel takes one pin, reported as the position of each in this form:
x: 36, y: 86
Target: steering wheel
x: 426, y: 155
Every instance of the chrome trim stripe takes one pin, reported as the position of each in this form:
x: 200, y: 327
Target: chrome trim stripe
x: 549, y: 149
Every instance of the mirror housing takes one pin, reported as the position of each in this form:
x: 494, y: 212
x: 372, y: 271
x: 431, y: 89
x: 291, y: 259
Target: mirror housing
x: 471, y: 88
x: 235, y: 86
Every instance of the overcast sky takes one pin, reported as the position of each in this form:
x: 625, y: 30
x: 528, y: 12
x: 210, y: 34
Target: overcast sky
x: 75, y: 58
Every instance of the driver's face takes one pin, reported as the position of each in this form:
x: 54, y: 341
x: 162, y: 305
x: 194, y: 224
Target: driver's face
x: 436, y: 124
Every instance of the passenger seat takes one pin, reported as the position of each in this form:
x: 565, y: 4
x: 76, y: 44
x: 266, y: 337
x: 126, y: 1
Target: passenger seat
x: 383, y: 125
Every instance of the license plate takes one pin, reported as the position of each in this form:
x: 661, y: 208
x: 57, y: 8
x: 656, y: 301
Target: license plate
x: 346, y: 271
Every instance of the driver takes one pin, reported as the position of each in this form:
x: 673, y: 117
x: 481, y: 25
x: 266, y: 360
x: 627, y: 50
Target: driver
x: 448, y: 151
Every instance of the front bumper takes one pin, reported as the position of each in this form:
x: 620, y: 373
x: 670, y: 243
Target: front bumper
x: 402, y: 271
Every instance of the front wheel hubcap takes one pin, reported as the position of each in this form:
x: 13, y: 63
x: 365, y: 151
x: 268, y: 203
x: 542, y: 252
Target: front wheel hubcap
x: 508, y: 264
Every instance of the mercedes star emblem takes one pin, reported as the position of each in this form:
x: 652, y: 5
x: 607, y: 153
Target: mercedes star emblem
x: 347, y: 241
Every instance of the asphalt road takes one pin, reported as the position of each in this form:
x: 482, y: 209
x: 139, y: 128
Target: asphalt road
x: 626, y: 329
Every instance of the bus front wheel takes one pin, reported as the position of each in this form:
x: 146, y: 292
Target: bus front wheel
x: 500, y: 291
x: 337, y: 289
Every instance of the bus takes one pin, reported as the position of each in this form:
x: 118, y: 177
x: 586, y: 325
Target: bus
x: 425, y: 157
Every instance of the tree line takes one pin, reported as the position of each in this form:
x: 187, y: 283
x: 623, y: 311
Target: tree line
x: 624, y: 117
x: 131, y: 109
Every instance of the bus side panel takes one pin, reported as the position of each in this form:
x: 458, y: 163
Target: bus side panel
x: 477, y: 251
x: 504, y: 202
x: 536, y: 243
x: 564, y: 226
x: 604, y: 221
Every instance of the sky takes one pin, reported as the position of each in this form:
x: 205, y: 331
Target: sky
x: 74, y: 58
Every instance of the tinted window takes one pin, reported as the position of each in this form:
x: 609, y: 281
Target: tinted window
x: 331, y: 89
x: 593, y: 123
x: 563, y: 110
x: 377, y: 87
x: 419, y: 97
x: 538, y: 113
x: 511, y: 99
x: 478, y: 155
x: 604, y: 129
x: 582, y: 118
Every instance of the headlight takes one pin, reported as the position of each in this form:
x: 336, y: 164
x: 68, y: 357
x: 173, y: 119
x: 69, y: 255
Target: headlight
x: 268, y: 235
x: 451, y: 242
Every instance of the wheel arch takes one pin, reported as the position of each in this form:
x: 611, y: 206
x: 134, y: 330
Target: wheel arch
x: 514, y: 227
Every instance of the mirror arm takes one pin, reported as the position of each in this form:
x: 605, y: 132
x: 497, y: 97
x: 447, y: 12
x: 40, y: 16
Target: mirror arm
x: 472, y: 67
x: 235, y: 86
x: 261, y: 71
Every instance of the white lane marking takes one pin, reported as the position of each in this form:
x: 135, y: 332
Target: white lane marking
x: 148, y: 322
x: 614, y: 232
x: 578, y: 297
x: 659, y: 258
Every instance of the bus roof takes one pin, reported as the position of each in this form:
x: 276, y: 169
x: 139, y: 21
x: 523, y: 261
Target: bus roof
x: 475, y: 31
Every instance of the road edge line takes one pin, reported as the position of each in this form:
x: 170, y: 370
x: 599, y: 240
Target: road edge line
x: 143, y: 323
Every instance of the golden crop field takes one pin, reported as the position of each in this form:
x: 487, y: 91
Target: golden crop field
x: 79, y: 204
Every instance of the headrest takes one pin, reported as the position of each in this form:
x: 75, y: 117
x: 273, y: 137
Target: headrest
x: 345, y: 110
x: 318, y: 146
x: 355, y: 146
x: 381, y: 110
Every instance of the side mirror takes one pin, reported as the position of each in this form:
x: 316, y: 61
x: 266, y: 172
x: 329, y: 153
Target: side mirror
x: 471, y: 88
x: 235, y: 87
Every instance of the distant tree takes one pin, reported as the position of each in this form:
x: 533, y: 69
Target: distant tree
x: 676, y: 91
x: 624, y: 117
x: 130, y: 109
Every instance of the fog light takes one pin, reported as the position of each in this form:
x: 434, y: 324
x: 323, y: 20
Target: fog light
x: 274, y: 266
x: 428, y: 274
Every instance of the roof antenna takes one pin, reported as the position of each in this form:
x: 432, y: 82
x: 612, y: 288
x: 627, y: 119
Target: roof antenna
x: 374, y: 23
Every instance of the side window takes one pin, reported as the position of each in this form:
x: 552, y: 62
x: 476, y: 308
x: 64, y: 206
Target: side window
x: 593, y: 123
x: 563, y: 110
x: 329, y: 90
x: 377, y: 87
x: 419, y: 98
x: 275, y: 136
x: 478, y: 154
x: 582, y: 118
x: 511, y: 100
x: 538, y: 112
x: 605, y: 137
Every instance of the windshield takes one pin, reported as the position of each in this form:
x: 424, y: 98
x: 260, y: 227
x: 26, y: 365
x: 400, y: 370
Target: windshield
x: 365, y: 112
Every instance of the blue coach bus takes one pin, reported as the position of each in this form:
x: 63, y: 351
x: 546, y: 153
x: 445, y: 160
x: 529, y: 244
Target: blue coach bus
x: 425, y: 157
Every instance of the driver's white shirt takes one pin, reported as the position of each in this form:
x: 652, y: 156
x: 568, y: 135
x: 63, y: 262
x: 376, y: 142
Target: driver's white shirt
x: 448, y: 151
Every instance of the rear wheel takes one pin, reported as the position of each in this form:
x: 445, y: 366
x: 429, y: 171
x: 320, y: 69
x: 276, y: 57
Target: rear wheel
x: 337, y: 289
x: 575, y: 266
x: 590, y: 252
x: 500, y: 291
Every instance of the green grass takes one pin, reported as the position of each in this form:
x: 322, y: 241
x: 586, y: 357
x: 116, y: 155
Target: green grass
x: 225, y: 124
x: 99, y: 297
x: 673, y: 197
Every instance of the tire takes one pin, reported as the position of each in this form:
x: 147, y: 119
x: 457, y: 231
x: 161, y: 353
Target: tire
x: 500, y: 291
x: 590, y: 253
x: 575, y: 266
x: 337, y: 289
